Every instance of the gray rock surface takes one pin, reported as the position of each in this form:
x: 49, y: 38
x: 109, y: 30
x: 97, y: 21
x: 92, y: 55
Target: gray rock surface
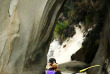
x: 25, y: 27
x: 76, y: 73
x: 102, y: 56
x: 71, y: 67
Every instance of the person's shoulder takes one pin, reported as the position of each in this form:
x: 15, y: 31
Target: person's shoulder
x: 58, y: 72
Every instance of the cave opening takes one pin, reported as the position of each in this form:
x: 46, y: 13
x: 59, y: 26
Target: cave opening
x: 77, y: 19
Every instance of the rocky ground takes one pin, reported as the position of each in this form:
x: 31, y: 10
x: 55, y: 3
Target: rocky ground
x: 72, y: 67
x: 76, y: 73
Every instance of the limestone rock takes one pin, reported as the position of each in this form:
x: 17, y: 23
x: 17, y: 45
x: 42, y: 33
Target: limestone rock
x: 25, y: 29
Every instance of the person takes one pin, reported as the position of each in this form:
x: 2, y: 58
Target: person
x: 53, y: 68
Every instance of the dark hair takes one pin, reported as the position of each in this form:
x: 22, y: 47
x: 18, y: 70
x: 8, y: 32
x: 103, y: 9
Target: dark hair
x: 51, y: 60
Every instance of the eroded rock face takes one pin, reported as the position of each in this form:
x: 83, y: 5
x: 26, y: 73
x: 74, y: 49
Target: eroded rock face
x: 89, y: 46
x: 102, y: 56
x: 25, y: 29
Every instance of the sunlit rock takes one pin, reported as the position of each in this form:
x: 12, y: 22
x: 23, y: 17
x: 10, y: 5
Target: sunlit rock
x: 25, y: 30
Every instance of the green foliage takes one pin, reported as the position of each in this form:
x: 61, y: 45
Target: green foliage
x: 88, y: 19
x: 59, y: 30
x: 61, y: 26
x: 75, y: 11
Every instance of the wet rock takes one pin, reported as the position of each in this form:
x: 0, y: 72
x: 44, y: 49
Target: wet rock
x: 64, y: 46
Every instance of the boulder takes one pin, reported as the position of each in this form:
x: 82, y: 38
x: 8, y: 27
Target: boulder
x: 73, y: 66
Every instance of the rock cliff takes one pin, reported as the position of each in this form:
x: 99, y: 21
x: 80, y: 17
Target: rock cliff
x: 25, y: 27
x: 102, y: 56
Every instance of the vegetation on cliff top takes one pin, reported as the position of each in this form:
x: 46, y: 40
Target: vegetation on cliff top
x: 90, y: 12
x: 75, y: 11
